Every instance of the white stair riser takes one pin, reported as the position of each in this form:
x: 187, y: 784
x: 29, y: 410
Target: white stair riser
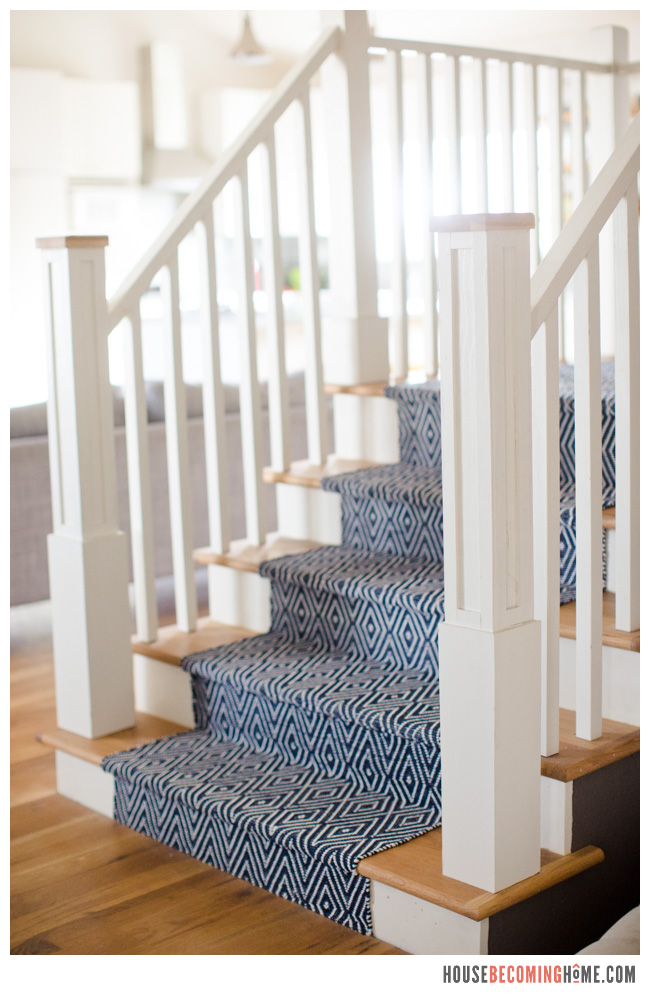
x: 238, y: 597
x: 556, y: 823
x: 163, y: 689
x: 85, y: 783
x: 366, y: 428
x: 419, y: 927
x: 308, y: 513
x: 621, y: 682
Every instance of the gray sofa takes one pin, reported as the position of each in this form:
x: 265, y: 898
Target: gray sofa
x: 31, y: 513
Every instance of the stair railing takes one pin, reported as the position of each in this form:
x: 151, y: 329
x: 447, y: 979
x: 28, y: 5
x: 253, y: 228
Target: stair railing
x: 88, y: 568
x: 538, y: 109
x: 196, y: 213
x: 498, y: 643
x: 575, y: 256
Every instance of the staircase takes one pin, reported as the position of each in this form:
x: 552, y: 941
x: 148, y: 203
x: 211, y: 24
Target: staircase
x: 319, y: 744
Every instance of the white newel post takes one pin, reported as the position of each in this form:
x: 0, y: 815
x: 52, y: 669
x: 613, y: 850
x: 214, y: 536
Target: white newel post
x: 489, y: 643
x: 91, y: 622
x: 355, y: 338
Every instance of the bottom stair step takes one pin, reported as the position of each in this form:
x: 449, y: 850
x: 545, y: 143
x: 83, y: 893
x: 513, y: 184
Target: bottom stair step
x: 291, y: 830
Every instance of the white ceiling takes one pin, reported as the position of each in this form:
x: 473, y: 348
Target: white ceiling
x: 290, y: 32
x: 105, y: 44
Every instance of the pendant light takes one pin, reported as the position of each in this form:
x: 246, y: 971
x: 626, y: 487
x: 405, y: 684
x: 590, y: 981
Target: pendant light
x: 248, y: 50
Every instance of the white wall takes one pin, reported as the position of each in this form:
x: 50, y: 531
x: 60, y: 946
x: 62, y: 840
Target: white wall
x: 76, y: 118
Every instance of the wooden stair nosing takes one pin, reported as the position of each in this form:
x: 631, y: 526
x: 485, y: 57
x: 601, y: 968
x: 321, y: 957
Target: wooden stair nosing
x: 611, y: 635
x: 305, y: 474
x: 244, y: 556
x: 147, y: 729
x: 377, y: 387
x: 609, y: 518
x: 172, y: 644
x: 415, y: 867
x: 578, y: 757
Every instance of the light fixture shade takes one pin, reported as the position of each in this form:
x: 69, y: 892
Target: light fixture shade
x: 247, y: 49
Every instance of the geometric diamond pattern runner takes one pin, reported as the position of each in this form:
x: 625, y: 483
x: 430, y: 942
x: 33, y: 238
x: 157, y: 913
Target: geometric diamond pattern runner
x: 294, y: 831
x: 317, y: 743
x: 371, y: 721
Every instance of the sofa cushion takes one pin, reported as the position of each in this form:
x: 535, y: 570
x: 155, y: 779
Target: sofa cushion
x: 30, y: 420
x: 155, y: 394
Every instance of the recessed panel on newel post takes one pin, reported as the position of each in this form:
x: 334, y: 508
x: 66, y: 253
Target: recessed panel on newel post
x: 489, y: 642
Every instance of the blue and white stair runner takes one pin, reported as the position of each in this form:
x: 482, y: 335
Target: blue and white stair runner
x: 317, y: 744
x: 291, y: 830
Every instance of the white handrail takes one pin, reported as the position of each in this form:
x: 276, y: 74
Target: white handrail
x: 229, y: 165
x: 501, y: 55
x: 584, y: 225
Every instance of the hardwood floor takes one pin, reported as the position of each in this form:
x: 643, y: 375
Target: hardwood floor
x: 82, y: 884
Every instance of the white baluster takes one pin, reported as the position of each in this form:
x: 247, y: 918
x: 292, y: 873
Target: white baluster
x: 87, y: 554
x: 556, y: 112
x: 429, y: 277
x: 317, y: 440
x: 532, y: 119
x: 140, y: 505
x: 546, y: 520
x: 628, y: 418
x: 588, y: 462
x: 578, y: 151
x: 555, y: 128
x: 399, y: 274
x: 251, y: 418
x: 214, y: 415
x: 507, y: 129
x: 454, y: 132
x: 276, y: 349
x: 480, y: 130
x: 178, y: 470
x: 489, y: 642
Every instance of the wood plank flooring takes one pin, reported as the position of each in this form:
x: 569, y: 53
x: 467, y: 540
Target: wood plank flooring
x: 82, y: 884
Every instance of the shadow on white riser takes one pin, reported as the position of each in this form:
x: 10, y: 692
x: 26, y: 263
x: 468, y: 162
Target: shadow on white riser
x: 309, y: 513
x: 420, y: 927
x: 85, y: 783
x: 164, y: 690
x: 621, y: 682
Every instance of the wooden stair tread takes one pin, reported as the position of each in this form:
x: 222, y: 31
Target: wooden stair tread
x: 243, y: 556
x: 306, y: 474
x: 611, y: 635
x: 578, y: 757
x: 147, y: 729
x: 609, y: 518
x: 172, y: 644
x: 358, y: 389
x: 416, y: 868
x: 377, y: 388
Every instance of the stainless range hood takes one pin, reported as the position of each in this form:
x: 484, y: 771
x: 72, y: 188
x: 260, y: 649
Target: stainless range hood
x: 168, y: 159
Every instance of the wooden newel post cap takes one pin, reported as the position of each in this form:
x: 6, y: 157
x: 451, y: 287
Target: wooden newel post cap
x: 73, y: 242
x: 481, y: 222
